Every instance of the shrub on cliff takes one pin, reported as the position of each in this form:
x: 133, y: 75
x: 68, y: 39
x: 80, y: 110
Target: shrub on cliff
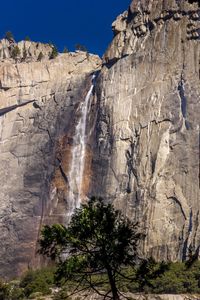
x: 94, y: 249
x: 65, y: 50
x: 54, y: 52
x: 38, y: 281
x: 80, y: 47
x: 9, y: 36
x: 11, y: 291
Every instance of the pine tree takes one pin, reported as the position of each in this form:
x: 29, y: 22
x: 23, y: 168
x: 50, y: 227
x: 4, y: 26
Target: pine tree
x: 65, y: 50
x: 99, y: 241
x: 9, y: 36
x: 27, y: 38
x: 80, y: 47
x: 54, y: 52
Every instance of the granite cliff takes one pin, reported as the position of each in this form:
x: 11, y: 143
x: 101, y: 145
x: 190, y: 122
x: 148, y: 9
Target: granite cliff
x: 141, y: 140
x: 39, y: 105
x: 147, y: 143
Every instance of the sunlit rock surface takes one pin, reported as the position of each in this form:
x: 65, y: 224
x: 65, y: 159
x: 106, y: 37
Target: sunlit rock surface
x: 142, y: 150
x: 147, y: 145
x: 152, y: 297
x: 39, y: 104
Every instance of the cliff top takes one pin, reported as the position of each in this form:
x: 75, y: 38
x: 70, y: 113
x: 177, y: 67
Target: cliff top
x: 29, y: 51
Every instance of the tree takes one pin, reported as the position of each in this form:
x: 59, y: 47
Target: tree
x: 80, y: 47
x: 9, y: 36
x: 27, y: 38
x: 53, y: 53
x: 148, y: 271
x: 94, y: 250
x: 65, y: 50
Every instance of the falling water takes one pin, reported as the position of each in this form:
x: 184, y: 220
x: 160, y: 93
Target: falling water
x: 78, y: 155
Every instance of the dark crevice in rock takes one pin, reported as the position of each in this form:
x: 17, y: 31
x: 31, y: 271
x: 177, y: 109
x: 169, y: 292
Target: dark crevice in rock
x: 4, y: 111
x: 185, y: 248
x: 35, y: 105
x: 194, y: 1
x: 181, y: 90
x: 190, y: 222
x: 183, y: 98
x: 63, y: 173
x: 179, y: 204
x: 155, y: 121
x: 130, y: 165
x: 4, y: 88
x: 153, y: 163
x: 113, y: 61
x: 131, y: 15
x: 196, y: 225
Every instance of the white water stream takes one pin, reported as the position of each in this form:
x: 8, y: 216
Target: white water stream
x: 76, y: 172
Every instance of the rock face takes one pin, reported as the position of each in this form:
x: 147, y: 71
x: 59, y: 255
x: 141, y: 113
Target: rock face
x: 39, y: 103
x: 27, y: 51
x: 147, y: 144
x: 142, y: 151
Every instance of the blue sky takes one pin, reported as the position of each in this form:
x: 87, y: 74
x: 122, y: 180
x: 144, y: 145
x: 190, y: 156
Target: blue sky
x: 63, y: 22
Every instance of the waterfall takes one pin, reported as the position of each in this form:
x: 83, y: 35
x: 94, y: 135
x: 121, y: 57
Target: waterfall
x: 75, y: 176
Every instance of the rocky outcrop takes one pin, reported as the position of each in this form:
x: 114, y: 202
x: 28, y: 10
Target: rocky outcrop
x: 147, y: 145
x: 163, y: 297
x: 155, y: 297
x: 26, y: 51
x: 39, y: 104
x: 131, y: 296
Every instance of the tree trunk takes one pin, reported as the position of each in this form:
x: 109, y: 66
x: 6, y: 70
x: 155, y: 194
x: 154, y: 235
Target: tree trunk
x: 113, y: 284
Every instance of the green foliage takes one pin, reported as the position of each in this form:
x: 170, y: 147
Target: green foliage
x: 173, y: 278
x: 178, y: 279
x: 147, y: 271
x: 15, y: 52
x: 4, y: 292
x: 16, y: 293
x: 38, y: 281
x: 36, y: 295
x: 11, y: 291
x: 65, y: 50
x: 27, y: 38
x: 40, y: 56
x: 80, y: 47
x: 54, y: 52
x: 99, y: 242
x: 63, y: 294
x: 9, y: 35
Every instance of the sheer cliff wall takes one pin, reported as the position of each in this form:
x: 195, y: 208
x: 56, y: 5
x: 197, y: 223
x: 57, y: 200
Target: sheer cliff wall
x: 39, y: 107
x: 147, y: 134
x: 142, y: 151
